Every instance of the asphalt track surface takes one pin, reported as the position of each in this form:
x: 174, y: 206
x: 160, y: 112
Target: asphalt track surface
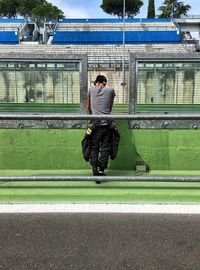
x: 99, y: 241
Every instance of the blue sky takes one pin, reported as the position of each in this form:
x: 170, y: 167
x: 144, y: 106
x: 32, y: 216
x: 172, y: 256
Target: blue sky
x: 91, y: 8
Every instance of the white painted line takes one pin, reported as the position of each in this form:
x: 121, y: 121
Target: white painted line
x: 101, y: 208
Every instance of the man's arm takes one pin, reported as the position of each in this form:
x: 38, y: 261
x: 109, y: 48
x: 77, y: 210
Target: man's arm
x: 112, y: 101
x: 88, y: 105
x: 111, y: 104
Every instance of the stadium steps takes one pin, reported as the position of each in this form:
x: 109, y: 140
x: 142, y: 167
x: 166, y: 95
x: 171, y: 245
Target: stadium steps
x: 134, y: 26
x: 96, y: 53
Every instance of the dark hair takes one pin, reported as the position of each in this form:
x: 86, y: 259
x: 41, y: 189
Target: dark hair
x: 101, y: 79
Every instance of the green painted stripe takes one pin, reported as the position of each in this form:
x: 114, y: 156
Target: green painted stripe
x: 50, y: 107
x: 90, y: 192
x: 75, y: 107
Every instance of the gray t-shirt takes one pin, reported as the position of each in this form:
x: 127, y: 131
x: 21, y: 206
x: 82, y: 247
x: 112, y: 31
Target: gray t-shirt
x: 101, y: 99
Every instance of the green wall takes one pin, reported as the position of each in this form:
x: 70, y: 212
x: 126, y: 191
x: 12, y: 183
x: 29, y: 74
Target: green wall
x: 57, y: 149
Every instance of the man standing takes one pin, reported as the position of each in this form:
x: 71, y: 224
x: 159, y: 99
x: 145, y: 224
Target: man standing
x: 100, y: 101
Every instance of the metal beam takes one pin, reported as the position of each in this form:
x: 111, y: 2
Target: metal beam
x: 64, y: 116
x: 143, y: 178
x: 63, y: 120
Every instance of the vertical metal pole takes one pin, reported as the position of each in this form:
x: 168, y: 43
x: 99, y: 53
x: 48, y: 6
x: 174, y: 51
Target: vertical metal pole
x: 63, y: 98
x: 123, y: 60
x: 16, y: 100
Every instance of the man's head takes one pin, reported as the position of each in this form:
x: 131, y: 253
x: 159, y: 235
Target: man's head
x: 100, y: 79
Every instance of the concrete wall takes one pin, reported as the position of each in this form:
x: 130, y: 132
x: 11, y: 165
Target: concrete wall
x: 29, y: 149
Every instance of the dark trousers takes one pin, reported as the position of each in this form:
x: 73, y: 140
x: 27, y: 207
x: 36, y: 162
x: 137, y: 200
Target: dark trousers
x: 100, y: 147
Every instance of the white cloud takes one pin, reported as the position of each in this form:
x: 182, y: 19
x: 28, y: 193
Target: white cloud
x: 91, y: 8
x: 74, y: 13
x: 69, y: 10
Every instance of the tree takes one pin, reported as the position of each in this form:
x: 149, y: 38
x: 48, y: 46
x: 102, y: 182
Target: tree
x: 26, y: 6
x: 9, y: 8
x: 57, y: 13
x: 39, y: 9
x: 173, y: 9
x: 47, y: 11
x: 151, y: 9
x: 115, y: 7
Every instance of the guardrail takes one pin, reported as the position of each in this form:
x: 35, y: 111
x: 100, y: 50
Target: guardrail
x: 68, y: 116
x: 63, y: 120
x: 143, y: 178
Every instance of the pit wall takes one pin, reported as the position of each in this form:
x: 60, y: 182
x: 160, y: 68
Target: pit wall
x: 57, y: 149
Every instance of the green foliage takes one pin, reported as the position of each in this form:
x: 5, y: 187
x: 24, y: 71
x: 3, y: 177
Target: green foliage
x: 115, y: 7
x: 26, y: 6
x: 9, y: 8
x: 47, y: 11
x: 173, y: 8
x: 39, y: 9
x: 151, y: 9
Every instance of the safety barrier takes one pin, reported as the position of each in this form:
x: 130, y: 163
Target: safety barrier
x: 65, y: 116
x: 49, y: 117
x: 141, y: 178
x: 62, y: 120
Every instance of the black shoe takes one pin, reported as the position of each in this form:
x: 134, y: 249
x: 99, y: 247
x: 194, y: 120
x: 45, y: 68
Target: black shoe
x: 98, y: 182
x: 95, y: 171
x: 101, y: 170
x: 97, y: 174
x: 101, y: 173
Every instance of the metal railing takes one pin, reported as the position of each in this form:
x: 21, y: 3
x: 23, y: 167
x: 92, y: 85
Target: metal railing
x: 64, y: 120
x: 141, y: 178
x: 67, y: 116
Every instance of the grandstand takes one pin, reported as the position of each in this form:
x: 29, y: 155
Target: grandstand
x: 96, y: 53
x: 110, y: 31
x: 108, y: 54
x: 114, y: 25
x: 10, y: 30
